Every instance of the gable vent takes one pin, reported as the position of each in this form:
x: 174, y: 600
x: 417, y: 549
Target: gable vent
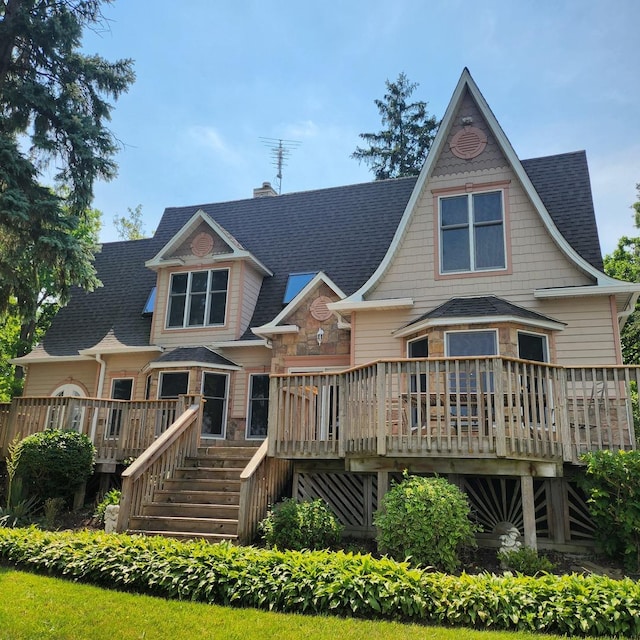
x: 468, y: 143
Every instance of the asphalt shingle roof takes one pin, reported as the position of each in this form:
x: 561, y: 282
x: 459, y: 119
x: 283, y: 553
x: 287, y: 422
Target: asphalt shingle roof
x: 195, y: 354
x: 343, y: 231
x: 480, y: 306
x: 563, y: 184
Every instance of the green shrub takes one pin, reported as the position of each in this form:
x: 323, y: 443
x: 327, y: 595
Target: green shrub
x: 425, y: 520
x: 326, y: 583
x: 612, y: 482
x: 301, y: 525
x: 526, y: 561
x: 111, y: 497
x: 53, y: 463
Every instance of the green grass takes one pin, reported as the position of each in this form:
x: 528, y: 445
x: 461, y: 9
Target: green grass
x: 34, y: 607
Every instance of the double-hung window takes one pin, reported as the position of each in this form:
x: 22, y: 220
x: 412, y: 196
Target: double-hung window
x: 472, y: 234
x: 198, y: 298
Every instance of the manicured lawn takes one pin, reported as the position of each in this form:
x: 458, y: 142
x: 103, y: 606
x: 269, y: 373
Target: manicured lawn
x: 35, y: 607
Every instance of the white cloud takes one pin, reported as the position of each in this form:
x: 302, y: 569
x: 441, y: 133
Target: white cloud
x: 211, y: 139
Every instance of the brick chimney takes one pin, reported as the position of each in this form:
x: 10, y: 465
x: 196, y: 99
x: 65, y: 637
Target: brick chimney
x: 265, y: 191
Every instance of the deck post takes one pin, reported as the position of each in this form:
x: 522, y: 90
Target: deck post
x: 528, y: 512
x: 562, y: 415
x: 273, y: 426
x: 381, y: 430
x: 498, y: 406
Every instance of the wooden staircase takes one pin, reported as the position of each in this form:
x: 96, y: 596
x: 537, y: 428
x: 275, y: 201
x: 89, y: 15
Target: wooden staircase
x: 201, y: 500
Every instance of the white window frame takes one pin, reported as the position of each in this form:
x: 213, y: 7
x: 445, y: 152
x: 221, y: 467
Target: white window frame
x: 545, y: 342
x: 419, y: 339
x: 446, y: 341
x: 160, y: 376
x: 471, y: 226
x: 249, y: 407
x: 188, y: 294
x: 56, y: 415
x: 225, y: 410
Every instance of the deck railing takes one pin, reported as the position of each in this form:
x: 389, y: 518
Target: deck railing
x: 119, y: 429
x: 457, y: 407
x: 262, y: 482
x: 158, y: 463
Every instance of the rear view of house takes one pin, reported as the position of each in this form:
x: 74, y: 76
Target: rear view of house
x: 458, y: 322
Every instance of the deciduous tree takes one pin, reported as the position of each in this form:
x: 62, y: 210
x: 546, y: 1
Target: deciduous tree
x: 401, y: 147
x: 624, y: 264
x: 130, y: 227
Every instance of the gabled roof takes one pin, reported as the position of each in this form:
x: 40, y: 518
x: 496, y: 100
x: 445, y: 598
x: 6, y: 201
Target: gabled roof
x: 467, y: 84
x: 233, y: 249
x: 342, y: 231
x: 349, y: 233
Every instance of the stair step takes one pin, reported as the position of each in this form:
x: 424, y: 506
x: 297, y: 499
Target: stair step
x: 163, y: 496
x: 186, y: 535
x: 182, y: 524
x: 238, y: 462
x: 202, y: 484
x: 224, y: 452
x: 208, y: 473
x: 190, y: 510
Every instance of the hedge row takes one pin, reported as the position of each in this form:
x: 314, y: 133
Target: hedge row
x: 330, y: 583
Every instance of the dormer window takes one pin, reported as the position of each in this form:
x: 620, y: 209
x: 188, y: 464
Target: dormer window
x: 472, y: 236
x: 198, y: 299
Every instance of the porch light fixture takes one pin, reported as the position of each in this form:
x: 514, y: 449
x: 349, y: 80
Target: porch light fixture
x: 320, y: 336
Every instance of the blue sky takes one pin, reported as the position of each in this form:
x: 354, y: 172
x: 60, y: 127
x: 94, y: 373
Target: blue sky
x: 214, y: 77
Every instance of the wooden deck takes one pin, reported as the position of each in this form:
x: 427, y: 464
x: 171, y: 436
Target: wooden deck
x: 477, y: 408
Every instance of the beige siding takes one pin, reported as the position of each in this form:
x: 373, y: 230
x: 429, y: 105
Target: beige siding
x: 373, y: 339
x: 128, y: 366
x: 44, y: 378
x: 251, y: 283
x: 589, y: 336
x: 252, y: 360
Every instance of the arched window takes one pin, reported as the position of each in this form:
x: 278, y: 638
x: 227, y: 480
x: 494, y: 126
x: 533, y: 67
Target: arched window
x: 58, y: 417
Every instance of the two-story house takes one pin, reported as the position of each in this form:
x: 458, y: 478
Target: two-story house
x: 458, y: 322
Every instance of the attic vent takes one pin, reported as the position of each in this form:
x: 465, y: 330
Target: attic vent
x: 468, y: 143
x: 319, y: 308
x: 202, y: 245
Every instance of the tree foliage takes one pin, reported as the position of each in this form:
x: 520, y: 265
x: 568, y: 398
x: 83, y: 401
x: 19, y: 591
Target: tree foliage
x: 612, y: 482
x: 624, y: 264
x: 130, y: 227
x: 54, y: 106
x: 426, y: 520
x: 401, y: 147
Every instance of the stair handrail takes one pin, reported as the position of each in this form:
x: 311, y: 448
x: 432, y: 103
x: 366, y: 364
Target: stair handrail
x: 158, y: 462
x: 262, y: 481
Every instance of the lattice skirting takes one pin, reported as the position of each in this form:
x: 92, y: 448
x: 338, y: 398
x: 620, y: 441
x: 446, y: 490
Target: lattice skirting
x: 352, y: 497
x: 562, y: 516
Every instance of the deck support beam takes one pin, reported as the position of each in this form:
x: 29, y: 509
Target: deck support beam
x: 528, y: 512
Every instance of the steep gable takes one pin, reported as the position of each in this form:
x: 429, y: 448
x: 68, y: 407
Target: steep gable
x: 491, y: 156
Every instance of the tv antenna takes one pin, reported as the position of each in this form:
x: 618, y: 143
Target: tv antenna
x: 280, y: 150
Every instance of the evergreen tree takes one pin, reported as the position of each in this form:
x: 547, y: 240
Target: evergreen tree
x: 54, y: 106
x: 401, y: 147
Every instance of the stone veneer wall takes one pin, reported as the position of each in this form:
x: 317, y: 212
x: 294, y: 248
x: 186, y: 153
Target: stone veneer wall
x: 335, y: 342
